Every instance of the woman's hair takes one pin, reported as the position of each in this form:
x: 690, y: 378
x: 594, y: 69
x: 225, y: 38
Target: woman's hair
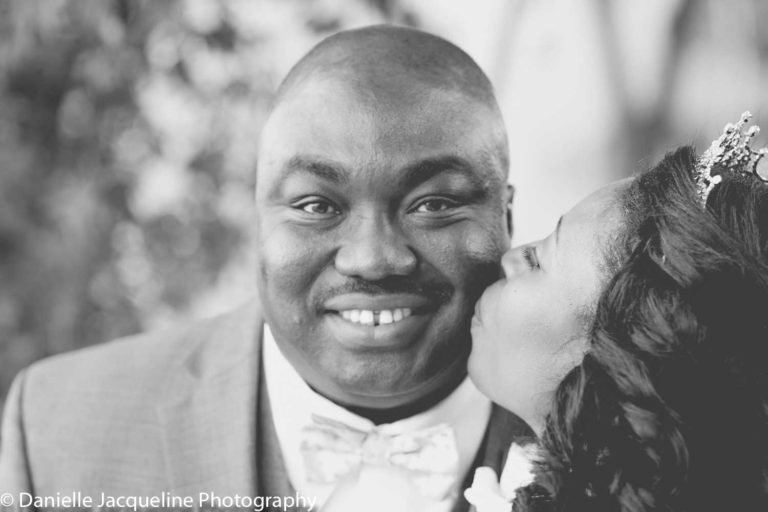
x: 669, y: 409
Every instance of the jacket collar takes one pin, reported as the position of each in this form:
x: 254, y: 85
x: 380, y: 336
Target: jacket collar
x: 209, y: 409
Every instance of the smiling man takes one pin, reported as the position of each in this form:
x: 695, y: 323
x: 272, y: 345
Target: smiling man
x: 381, y: 195
x: 382, y: 214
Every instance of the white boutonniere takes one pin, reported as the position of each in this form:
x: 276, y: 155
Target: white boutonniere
x: 490, y: 493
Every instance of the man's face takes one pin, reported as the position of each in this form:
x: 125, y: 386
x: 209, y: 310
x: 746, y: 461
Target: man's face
x: 381, y: 219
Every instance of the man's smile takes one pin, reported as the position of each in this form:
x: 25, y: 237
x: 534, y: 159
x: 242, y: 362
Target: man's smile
x: 370, y: 317
x: 392, y: 335
x: 382, y: 320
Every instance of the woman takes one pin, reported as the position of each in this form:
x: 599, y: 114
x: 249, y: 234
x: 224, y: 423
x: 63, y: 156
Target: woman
x: 634, y: 341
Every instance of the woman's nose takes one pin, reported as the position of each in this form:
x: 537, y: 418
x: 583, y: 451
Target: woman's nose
x: 513, y: 261
x: 508, y: 262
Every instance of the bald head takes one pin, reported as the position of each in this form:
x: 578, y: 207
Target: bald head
x: 387, y: 66
x: 373, y: 57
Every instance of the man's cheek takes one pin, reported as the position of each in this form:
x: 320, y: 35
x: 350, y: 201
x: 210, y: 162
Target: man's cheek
x: 289, y: 256
x: 474, y: 264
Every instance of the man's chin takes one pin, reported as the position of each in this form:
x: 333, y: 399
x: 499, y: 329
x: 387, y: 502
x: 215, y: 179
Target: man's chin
x: 391, y: 385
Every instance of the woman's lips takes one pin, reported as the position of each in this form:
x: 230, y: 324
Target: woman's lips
x: 476, y: 323
x: 490, y: 295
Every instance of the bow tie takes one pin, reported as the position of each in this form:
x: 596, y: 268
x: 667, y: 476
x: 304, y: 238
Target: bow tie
x: 333, y: 450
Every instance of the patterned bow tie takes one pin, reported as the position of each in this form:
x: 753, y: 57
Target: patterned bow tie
x: 333, y: 450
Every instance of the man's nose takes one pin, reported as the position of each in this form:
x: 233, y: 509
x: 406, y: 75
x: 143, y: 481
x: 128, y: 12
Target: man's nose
x: 374, y: 249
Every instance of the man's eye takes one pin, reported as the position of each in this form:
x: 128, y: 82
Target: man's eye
x: 531, y: 258
x: 434, y: 205
x: 318, y: 208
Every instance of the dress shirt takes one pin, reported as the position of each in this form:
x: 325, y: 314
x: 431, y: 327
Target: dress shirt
x: 294, y: 403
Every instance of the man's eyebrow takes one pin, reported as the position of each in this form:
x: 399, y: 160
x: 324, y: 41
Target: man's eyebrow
x: 424, y: 170
x: 324, y: 169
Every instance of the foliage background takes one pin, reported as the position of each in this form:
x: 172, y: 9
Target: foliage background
x: 129, y: 130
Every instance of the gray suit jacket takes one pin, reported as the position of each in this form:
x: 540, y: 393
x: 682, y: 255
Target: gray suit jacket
x: 166, y: 412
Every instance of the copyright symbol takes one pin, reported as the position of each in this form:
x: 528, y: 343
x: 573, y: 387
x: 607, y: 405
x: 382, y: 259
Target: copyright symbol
x: 6, y: 499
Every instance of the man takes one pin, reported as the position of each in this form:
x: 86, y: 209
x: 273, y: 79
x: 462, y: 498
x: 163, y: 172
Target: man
x: 382, y: 213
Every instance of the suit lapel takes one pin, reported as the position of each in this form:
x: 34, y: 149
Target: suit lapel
x: 273, y: 477
x: 504, y: 428
x: 209, y: 415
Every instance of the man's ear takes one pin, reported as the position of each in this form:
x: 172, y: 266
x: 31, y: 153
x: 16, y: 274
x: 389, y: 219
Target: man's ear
x: 510, y: 193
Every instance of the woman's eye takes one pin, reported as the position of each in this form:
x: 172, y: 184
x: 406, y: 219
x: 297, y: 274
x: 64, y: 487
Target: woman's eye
x: 318, y: 208
x: 531, y: 258
x: 434, y: 205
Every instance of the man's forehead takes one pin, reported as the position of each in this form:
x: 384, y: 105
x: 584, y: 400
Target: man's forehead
x: 405, y: 148
x: 388, y: 95
x: 329, y: 114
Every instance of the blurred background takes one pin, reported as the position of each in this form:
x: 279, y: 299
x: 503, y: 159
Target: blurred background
x: 129, y: 129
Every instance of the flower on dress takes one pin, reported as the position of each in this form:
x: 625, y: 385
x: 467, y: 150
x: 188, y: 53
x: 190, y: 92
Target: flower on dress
x: 490, y: 493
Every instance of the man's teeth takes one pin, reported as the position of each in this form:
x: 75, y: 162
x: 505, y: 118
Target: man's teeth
x: 368, y: 317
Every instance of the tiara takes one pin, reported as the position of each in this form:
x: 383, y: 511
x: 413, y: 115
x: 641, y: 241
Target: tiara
x: 730, y: 152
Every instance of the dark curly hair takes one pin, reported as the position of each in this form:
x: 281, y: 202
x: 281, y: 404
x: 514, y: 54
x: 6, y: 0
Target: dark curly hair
x: 669, y: 409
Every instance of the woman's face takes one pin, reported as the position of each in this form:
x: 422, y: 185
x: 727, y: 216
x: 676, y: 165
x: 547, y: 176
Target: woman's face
x: 530, y: 327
